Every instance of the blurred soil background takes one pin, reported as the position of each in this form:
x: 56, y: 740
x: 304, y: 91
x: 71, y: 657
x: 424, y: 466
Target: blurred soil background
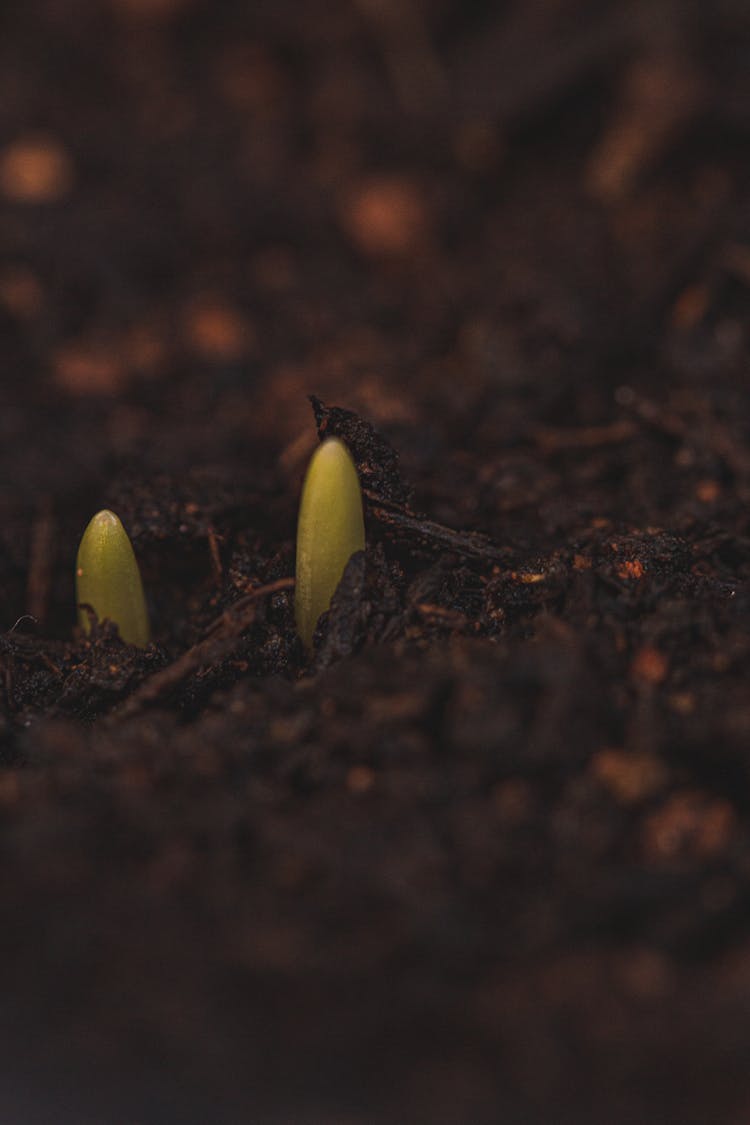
x: 486, y: 856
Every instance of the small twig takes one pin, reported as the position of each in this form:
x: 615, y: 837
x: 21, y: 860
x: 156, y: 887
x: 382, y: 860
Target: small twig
x: 221, y: 637
x: 213, y: 547
x: 435, y: 536
x: 236, y: 612
x: 583, y: 437
x: 441, y: 615
x: 50, y: 664
x: 23, y: 617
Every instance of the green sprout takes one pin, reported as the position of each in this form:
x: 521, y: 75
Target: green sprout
x: 330, y: 530
x: 109, y: 582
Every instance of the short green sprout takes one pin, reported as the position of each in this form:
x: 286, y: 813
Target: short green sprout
x: 109, y: 581
x: 330, y: 530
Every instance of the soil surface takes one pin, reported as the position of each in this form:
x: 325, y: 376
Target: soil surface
x: 485, y: 855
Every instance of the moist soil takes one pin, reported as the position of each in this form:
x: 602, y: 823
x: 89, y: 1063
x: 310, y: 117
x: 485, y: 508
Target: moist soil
x: 483, y: 856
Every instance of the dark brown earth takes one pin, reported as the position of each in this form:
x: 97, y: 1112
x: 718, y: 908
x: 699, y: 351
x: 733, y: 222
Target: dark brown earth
x: 486, y: 857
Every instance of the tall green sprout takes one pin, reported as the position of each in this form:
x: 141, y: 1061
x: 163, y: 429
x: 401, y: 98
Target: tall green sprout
x: 330, y: 530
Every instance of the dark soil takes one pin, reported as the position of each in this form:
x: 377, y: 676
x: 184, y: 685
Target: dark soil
x: 485, y: 857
